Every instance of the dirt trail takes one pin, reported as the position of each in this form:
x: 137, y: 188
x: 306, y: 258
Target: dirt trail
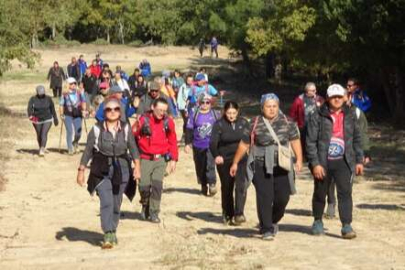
x: 48, y: 222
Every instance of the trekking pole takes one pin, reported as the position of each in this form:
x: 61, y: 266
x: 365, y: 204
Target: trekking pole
x: 60, y: 137
x: 221, y: 100
x: 85, y: 125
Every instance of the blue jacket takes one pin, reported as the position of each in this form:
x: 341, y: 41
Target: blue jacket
x: 82, y: 67
x: 129, y: 111
x: 146, y: 69
x: 361, y: 100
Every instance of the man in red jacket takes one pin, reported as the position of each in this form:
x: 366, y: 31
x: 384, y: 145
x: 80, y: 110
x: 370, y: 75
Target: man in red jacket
x: 303, y: 106
x: 156, y: 137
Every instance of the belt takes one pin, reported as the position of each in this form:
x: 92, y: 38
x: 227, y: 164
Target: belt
x: 153, y: 156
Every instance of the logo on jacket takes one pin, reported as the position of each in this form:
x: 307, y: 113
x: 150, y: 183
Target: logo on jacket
x: 205, y: 130
x: 336, y: 148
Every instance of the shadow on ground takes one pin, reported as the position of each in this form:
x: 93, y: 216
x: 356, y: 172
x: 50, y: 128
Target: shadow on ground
x: 206, y: 216
x: 380, y: 206
x: 183, y: 190
x: 299, y: 212
x: 236, y: 232
x: 131, y: 215
x: 75, y: 235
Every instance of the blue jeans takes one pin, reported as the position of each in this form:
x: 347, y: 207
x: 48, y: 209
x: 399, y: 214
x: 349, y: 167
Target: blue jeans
x: 76, y: 124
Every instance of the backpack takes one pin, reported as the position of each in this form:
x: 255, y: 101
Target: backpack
x: 97, y: 131
x: 75, y: 110
x: 146, y: 130
x: 197, y: 111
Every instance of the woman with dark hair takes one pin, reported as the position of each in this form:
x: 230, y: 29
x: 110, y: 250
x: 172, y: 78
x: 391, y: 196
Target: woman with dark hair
x: 111, y: 174
x: 226, y: 134
x: 271, y: 139
x: 56, y: 77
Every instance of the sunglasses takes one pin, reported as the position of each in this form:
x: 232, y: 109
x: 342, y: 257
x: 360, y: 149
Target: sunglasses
x: 154, y: 90
x: 206, y: 102
x: 116, y: 109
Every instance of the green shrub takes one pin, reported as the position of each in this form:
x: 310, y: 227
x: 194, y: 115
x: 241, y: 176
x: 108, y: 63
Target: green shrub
x: 100, y: 41
x: 136, y: 43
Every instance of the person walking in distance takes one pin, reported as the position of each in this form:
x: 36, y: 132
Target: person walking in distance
x: 56, y: 77
x: 269, y: 140
x: 155, y: 134
x: 72, y: 110
x: 198, y: 135
x: 41, y: 112
x: 214, y: 47
x: 111, y: 173
x: 303, y: 106
x: 334, y: 155
x: 73, y: 69
x: 226, y: 135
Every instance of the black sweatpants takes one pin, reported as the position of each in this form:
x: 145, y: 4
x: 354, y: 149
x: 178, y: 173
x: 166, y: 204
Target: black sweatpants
x: 228, y: 183
x: 57, y: 91
x: 339, y: 173
x: 42, y: 133
x: 272, y: 195
x: 204, y: 166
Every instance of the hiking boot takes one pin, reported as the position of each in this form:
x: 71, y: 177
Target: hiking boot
x: 317, y: 228
x: 114, y: 238
x: 239, y: 219
x: 212, y: 189
x: 204, y: 190
x: 108, y: 241
x: 154, y: 218
x: 330, y: 211
x: 268, y: 236
x: 227, y: 220
x: 41, y: 152
x: 348, y: 232
x: 145, y: 212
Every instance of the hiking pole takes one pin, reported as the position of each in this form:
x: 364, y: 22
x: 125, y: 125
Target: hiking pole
x: 60, y: 137
x: 85, y: 125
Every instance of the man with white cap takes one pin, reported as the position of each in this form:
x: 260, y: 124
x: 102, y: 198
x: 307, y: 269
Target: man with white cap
x: 334, y: 154
x: 72, y: 110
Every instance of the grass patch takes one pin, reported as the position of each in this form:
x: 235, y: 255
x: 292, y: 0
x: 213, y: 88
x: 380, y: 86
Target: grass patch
x: 23, y: 76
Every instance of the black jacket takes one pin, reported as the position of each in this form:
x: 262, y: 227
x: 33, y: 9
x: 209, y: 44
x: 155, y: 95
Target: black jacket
x: 56, y: 77
x: 90, y: 84
x: 319, y: 133
x: 43, y: 108
x: 225, y: 137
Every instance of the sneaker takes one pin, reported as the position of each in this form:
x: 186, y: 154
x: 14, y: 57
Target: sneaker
x: 145, y: 212
x: 114, y: 238
x: 268, y: 236
x: 204, y: 190
x: 41, y: 152
x: 212, y: 189
x: 154, y: 218
x: 107, y: 243
x: 71, y: 152
x: 275, y: 229
x: 76, y: 147
x: 348, y: 232
x: 239, y: 219
x: 317, y: 228
x: 330, y: 211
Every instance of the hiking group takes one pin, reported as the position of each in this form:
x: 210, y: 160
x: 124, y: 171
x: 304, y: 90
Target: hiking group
x: 123, y: 156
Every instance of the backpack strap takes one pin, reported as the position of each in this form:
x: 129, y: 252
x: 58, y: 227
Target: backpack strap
x: 252, y: 133
x: 96, y: 131
x: 196, y: 112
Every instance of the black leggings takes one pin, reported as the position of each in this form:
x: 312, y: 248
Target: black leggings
x: 339, y: 173
x: 204, y: 166
x: 42, y: 133
x: 272, y: 195
x: 240, y: 182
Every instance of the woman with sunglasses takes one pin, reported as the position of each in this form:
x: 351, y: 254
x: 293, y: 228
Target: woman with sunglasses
x: 111, y: 174
x: 226, y: 135
x: 198, y: 135
x: 72, y: 109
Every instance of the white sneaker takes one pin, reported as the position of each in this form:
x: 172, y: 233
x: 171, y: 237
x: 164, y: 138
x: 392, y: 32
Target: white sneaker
x: 41, y: 152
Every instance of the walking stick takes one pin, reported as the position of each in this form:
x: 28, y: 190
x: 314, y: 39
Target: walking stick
x: 60, y: 137
x: 85, y: 125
